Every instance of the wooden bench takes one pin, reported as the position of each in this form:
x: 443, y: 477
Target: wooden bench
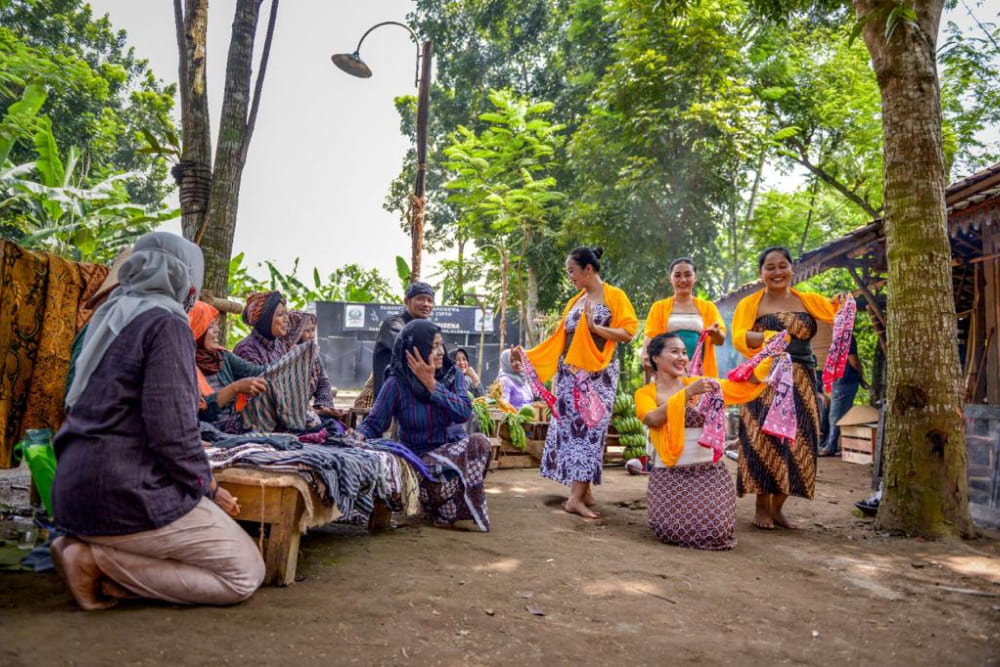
x: 284, y: 507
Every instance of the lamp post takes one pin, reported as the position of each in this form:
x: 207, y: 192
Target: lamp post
x: 355, y: 66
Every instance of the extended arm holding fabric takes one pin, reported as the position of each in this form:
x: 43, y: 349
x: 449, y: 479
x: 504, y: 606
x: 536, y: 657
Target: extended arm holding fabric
x: 378, y: 420
x: 652, y: 415
x: 247, y: 382
x: 168, y: 400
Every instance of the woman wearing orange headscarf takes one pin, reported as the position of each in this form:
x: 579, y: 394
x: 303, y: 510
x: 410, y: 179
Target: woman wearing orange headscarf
x: 225, y: 381
x: 581, y: 356
x: 768, y: 467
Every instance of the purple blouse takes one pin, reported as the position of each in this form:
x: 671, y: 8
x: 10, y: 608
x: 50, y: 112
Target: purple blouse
x: 258, y: 350
x: 130, y: 453
x: 422, y: 426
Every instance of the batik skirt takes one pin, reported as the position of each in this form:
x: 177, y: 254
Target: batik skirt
x: 460, y: 490
x: 693, y: 506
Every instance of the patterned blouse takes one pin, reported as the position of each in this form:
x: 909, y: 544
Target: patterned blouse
x: 258, y: 350
x: 422, y: 426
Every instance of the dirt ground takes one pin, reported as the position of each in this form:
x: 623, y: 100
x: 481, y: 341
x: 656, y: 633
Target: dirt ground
x: 833, y: 592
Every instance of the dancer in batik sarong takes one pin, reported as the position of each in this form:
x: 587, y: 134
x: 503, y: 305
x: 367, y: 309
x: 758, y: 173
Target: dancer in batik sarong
x: 690, y: 496
x: 581, y: 356
x: 426, y: 394
x: 687, y: 316
x: 772, y: 468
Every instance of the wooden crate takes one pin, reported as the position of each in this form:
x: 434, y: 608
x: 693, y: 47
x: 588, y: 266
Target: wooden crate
x: 857, y: 443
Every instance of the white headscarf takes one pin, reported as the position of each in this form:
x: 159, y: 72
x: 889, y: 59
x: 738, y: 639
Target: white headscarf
x: 164, y: 271
x: 519, y: 380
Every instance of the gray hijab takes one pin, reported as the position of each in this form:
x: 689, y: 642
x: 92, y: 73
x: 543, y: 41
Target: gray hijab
x: 164, y: 271
x: 519, y: 380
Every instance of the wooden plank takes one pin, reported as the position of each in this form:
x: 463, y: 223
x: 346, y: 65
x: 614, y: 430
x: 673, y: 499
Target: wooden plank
x: 278, y: 510
x: 282, y: 552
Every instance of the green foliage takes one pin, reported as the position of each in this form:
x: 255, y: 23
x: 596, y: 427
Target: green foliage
x: 100, y: 94
x: 44, y: 204
x: 347, y: 283
x: 499, y: 187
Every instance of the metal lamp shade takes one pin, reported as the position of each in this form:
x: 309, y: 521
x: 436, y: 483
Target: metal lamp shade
x: 352, y: 64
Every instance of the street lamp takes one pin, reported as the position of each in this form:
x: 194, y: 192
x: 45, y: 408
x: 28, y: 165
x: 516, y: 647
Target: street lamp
x: 355, y: 66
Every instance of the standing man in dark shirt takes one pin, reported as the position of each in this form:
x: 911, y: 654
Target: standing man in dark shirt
x: 419, y: 302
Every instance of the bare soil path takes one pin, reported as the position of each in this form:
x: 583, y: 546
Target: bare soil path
x: 547, y: 587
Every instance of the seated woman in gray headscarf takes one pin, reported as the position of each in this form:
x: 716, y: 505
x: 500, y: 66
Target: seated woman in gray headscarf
x: 133, y: 487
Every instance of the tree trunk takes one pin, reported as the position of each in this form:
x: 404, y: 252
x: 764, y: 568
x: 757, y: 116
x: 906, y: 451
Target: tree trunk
x: 217, y: 242
x: 926, y: 490
x: 193, y: 174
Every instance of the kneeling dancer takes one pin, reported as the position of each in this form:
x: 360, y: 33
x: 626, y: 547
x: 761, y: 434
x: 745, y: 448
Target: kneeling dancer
x: 133, y: 486
x: 426, y: 394
x: 691, y: 498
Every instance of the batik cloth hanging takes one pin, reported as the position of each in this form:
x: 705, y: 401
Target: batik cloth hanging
x: 840, y: 344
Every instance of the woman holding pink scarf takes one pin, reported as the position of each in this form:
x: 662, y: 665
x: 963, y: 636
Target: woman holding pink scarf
x: 771, y: 467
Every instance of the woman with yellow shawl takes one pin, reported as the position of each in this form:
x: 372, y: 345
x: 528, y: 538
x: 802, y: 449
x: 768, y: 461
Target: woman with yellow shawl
x: 691, y: 498
x: 687, y: 316
x: 768, y: 467
x: 581, y: 356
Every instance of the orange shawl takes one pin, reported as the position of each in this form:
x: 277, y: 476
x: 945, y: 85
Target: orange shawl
x: 818, y: 306
x: 659, y: 316
x: 583, y: 353
x: 668, y: 438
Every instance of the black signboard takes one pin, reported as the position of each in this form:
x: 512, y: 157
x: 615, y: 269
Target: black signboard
x: 347, y: 333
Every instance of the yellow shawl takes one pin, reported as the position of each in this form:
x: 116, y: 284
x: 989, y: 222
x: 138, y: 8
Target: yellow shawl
x: 668, y: 439
x: 659, y: 315
x: 818, y: 306
x: 583, y: 353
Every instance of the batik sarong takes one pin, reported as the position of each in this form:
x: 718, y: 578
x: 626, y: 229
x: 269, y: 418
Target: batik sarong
x: 460, y: 490
x: 693, y: 506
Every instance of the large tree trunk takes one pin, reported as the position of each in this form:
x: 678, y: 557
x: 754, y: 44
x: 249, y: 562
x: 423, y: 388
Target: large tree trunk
x: 217, y: 242
x: 193, y: 174
x: 926, y: 490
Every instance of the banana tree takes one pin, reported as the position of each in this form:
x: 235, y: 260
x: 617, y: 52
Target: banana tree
x: 46, y: 203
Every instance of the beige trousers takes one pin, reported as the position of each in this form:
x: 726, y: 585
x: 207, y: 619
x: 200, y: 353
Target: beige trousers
x: 202, y: 558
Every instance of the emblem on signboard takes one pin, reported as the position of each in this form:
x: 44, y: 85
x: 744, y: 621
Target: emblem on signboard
x: 354, y: 316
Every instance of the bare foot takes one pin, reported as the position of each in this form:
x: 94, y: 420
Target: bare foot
x: 762, y: 516
x: 573, y: 506
x: 780, y: 520
x: 763, y: 520
x: 588, y: 499
x: 115, y: 591
x: 57, y: 549
x: 82, y: 575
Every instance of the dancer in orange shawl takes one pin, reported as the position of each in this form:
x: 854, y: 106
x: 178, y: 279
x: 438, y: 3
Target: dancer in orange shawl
x: 581, y: 356
x: 691, y: 498
x: 769, y: 467
x: 686, y: 315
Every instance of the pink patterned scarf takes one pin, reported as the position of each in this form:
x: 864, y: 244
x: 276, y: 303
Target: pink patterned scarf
x: 698, y: 358
x: 536, y: 384
x: 840, y: 345
x: 586, y: 400
x: 775, y: 346
x: 713, y: 408
x: 781, y: 419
